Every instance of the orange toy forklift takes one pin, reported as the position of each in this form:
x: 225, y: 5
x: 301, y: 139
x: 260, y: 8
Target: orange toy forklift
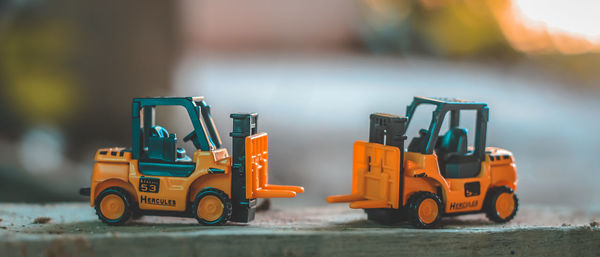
x: 155, y: 177
x: 439, y: 174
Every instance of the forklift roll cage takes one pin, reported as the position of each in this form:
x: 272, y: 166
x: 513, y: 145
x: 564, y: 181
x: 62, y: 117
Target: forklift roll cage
x: 205, y: 136
x: 454, y: 106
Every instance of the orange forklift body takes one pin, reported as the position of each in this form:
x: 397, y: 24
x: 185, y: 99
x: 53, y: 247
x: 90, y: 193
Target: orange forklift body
x: 386, y: 176
x: 376, y: 183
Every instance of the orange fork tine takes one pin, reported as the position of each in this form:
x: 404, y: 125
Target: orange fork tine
x: 267, y: 193
x: 344, y: 198
x: 297, y: 189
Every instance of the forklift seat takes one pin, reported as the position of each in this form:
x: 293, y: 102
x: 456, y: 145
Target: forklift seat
x: 159, y: 131
x: 453, y: 158
x: 454, y: 142
x: 162, y: 145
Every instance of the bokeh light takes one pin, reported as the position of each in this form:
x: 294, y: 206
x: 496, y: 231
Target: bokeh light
x: 536, y: 26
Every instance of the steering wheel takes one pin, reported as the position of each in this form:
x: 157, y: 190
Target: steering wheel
x: 423, y: 132
x: 190, y: 136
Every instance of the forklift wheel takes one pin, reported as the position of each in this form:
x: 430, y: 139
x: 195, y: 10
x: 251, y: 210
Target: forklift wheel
x: 212, y: 207
x: 501, y: 204
x: 113, y: 206
x: 424, y: 209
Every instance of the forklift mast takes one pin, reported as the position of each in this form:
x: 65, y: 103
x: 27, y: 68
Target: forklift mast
x: 244, y: 125
x: 389, y: 129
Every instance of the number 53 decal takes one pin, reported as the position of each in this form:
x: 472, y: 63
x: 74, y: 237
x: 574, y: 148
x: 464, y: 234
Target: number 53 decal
x: 149, y: 185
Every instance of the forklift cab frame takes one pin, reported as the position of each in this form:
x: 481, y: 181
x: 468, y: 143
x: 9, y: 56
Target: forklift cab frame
x: 156, y: 149
x: 454, y: 159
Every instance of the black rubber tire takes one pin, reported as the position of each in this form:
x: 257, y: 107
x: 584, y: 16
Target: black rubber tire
x: 227, y: 208
x: 412, y: 209
x: 490, y: 204
x: 126, y: 199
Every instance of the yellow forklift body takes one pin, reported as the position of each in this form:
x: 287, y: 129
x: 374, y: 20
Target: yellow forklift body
x: 161, y: 192
x: 173, y: 193
x: 155, y: 177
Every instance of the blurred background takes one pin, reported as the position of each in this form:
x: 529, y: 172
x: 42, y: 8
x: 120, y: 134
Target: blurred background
x: 314, y: 70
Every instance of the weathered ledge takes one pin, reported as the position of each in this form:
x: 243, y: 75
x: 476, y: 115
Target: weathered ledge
x: 74, y: 230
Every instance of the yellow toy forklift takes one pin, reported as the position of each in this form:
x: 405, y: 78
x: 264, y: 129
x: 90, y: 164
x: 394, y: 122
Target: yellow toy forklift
x: 155, y: 177
x: 439, y: 174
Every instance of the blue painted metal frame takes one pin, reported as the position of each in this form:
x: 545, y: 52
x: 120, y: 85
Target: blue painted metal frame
x: 443, y: 105
x: 207, y: 138
x: 167, y: 169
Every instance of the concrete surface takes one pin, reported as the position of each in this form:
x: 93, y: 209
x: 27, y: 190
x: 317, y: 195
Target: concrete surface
x: 333, y: 230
